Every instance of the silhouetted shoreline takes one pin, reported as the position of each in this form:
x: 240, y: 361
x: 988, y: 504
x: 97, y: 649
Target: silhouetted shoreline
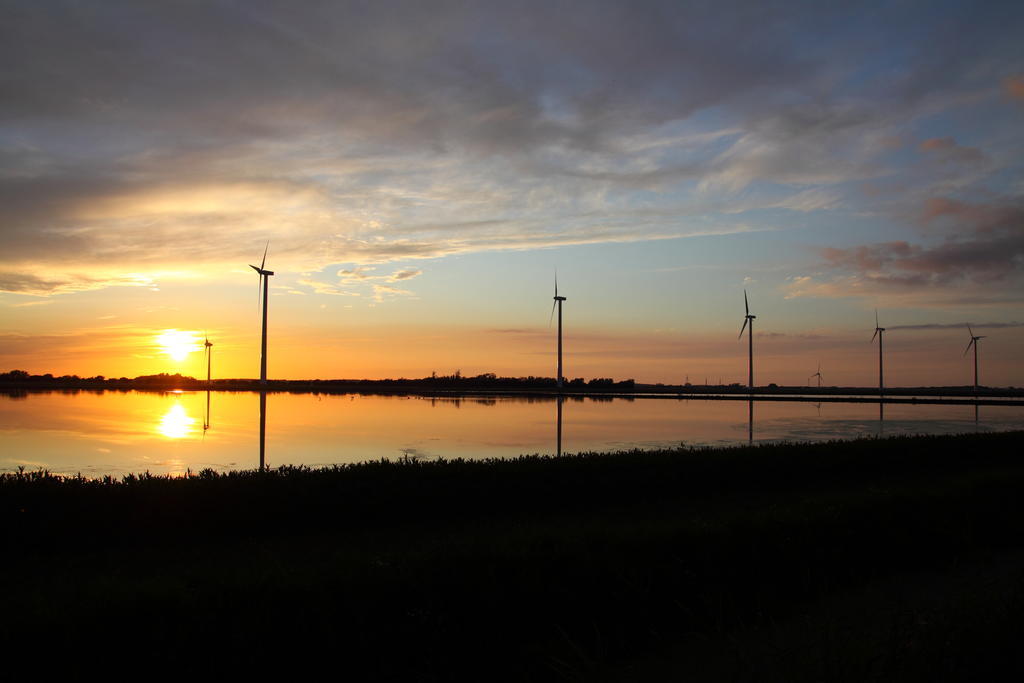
x: 490, y: 384
x: 686, y: 564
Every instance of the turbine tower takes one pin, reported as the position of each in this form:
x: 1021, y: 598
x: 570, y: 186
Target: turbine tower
x: 878, y: 333
x: 817, y: 374
x: 208, y: 350
x: 749, y: 320
x: 974, y: 343
x: 265, y: 275
x: 558, y: 304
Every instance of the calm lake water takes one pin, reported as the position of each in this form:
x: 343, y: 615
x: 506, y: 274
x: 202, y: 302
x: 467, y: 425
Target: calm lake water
x: 120, y: 432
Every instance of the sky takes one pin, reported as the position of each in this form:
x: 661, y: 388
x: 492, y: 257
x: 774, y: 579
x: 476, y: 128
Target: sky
x: 421, y: 171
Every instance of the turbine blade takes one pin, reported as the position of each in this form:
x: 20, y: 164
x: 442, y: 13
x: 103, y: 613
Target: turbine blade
x: 969, y: 346
x: 256, y: 269
x: 264, y: 261
x: 876, y: 319
x: 552, y: 316
x: 745, y: 321
x: 969, y: 330
x: 746, y: 306
x: 875, y: 334
x: 556, y: 283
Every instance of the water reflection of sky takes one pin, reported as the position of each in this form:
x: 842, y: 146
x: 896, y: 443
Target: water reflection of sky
x: 120, y: 432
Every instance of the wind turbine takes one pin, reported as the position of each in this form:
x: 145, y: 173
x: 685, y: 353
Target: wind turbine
x: 817, y: 374
x: 558, y: 304
x: 878, y: 333
x: 265, y: 274
x: 208, y: 351
x: 749, y: 319
x: 974, y: 343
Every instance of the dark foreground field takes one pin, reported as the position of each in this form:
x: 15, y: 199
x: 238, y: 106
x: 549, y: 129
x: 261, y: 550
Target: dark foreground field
x: 900, y: 559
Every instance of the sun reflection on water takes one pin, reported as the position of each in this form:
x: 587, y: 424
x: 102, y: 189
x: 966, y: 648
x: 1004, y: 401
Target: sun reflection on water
x: 176, y: 423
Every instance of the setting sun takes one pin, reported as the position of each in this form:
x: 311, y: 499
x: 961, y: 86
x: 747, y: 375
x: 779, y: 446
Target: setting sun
x: 177, y: 343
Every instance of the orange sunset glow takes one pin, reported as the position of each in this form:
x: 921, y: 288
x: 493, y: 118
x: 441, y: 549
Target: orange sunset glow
x: 410, y: 232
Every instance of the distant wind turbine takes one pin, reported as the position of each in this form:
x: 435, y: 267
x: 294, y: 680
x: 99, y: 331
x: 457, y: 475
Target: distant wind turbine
x: 878, y: 333
x: 558, y: 304
x: 974, y: 343
x: 749, y: 320
x: 265, y: 275
x: 818, y: 375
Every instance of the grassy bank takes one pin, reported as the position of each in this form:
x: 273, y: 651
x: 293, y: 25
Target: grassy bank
x: 809, y: 562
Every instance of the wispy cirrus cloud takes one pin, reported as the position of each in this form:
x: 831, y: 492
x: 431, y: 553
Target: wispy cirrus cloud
x: 385, y: 292
x: 378, y: 287
x: 325, y: 288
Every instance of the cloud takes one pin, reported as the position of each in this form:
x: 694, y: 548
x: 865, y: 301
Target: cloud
x: 326, y: 288
x: 982, y: 219
x: 399, y: 275
x: 800, y: 145
x: 385, y: 292
x: 35, y: 285
x: 357, y: 274
x: 512, y: 331
x: 406, y: 131
x: 946, y: 150
x: 957, y: 326
x: 980, y: 256
x: 28, y: 304
x: 1014, y: 86
x: 364, y: 274
x: 786, y: 335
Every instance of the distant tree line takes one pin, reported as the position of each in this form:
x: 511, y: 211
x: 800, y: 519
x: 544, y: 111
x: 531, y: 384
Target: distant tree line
x: 454, y: 381
x: 17, y: 380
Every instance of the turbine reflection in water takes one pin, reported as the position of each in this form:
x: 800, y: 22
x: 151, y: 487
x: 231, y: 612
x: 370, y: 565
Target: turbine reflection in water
x: 206, y: 415
x: 750, y: 420
x: 558, y: 451
x: 176, y: 424
x: 263, y: 430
